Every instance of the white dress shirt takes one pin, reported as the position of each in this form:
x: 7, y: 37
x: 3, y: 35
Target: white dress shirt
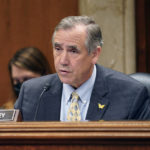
x: 84, y: 92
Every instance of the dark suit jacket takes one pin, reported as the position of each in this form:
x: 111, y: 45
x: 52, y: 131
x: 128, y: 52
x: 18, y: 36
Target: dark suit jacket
x: 123, y: 98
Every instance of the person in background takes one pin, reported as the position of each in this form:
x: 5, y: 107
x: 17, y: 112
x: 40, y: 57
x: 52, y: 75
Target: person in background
x: 82, y: 90
x: 27, y: 63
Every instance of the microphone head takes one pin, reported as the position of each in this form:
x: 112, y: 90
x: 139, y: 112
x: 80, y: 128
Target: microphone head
x: 46, y: 87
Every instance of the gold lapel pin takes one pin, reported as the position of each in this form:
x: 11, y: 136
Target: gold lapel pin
x: 100, y: 106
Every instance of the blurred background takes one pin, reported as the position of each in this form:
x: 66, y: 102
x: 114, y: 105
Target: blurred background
x: 125, y: 26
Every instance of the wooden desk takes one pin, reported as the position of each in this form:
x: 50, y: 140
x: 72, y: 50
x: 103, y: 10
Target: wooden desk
x: 111, y: 135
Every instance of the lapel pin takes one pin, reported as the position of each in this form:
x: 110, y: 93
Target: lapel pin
x: 100, y: 106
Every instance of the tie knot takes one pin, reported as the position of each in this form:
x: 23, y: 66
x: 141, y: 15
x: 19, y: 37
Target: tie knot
x: 75, y: 95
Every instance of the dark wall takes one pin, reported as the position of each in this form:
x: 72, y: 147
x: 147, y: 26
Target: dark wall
x: 28, y: 23
x: 143, y: 35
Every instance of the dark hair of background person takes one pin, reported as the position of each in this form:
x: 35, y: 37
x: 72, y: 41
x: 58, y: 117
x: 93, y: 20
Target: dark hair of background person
x: 31, y: 59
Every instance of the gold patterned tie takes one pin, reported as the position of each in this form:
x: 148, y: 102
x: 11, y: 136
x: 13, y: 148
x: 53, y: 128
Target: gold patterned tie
x: 74, y: 111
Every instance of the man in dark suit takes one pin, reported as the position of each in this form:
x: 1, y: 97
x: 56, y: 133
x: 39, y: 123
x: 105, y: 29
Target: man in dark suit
x: 101, y: 93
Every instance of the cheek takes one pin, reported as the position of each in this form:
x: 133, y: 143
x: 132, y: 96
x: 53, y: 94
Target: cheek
x: 83, y: 65
x: 76, y: 66
x: 55, y: 55
x: 14, y: 81
x: 56, y: 60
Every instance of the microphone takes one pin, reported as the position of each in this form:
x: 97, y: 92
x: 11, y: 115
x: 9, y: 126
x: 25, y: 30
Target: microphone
x: 45, y: 88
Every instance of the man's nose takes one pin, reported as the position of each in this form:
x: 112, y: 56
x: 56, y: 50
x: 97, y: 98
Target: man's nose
x: 64, y: 59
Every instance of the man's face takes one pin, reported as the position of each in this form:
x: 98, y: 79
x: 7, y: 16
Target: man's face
x: 72, y: 62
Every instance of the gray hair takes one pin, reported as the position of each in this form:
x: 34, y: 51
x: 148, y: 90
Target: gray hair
x: 94, y: 35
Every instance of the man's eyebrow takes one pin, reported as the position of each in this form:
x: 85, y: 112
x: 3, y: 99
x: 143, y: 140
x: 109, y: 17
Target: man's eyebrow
x: 57, y: 44
x: 72, y: 47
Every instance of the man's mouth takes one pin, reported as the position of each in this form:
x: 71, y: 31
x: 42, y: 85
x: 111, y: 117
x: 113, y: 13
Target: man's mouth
x: 64, y: 72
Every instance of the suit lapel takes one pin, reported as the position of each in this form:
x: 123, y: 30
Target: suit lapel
x: 99, y: 99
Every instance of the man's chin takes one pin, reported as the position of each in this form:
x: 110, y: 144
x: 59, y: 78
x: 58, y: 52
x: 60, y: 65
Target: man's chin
x: 65, y: 80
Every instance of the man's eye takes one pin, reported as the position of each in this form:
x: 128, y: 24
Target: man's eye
x: 74, y: 50
x: 57, y: 48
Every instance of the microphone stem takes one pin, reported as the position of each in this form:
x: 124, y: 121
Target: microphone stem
x: 37, y: 108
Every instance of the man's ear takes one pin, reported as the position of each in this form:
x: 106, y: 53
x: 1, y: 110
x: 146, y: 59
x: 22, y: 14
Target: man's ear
x: 96, y: 54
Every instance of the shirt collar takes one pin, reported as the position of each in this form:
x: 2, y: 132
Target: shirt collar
x: 67, y: 90
x: 82, y: 90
